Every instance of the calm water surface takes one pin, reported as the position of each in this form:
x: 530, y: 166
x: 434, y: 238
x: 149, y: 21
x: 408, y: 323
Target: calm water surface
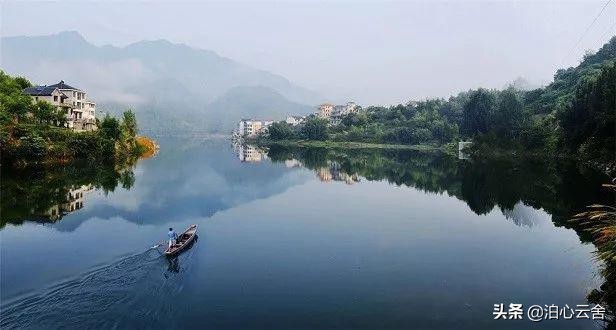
x: 294, y: 239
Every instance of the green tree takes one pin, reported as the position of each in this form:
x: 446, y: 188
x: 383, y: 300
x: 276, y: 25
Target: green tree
x: 14, y: 106
x: 477, y: 113
x: 129, y: 123
x: 22, y: 82
x: 315, y: 129
x: 588, y: 125
x: 507, y: 120
x: 110, y: 128
x: 46, y: 113
x: 281, y: 131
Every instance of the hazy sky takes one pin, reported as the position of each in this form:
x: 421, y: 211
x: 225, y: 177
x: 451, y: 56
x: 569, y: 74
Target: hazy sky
x: 371, y: 52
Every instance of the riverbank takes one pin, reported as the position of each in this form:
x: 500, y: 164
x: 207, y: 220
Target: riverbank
x: 449, y: 148
x: 25, y: 145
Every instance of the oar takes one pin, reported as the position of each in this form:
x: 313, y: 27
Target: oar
x: 157, y: 245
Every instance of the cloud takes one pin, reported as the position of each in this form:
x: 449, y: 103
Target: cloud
x: 104, y: 81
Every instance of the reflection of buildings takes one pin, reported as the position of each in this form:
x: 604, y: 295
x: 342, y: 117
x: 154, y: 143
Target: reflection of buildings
x: 463, y: 149
x: 250, y: 154
x: 290, y: 163
x: 335, y: 173
x: 73, y: 202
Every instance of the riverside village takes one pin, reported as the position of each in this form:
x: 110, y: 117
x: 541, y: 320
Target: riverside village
x: 251, y: 128
x: 333, y: 113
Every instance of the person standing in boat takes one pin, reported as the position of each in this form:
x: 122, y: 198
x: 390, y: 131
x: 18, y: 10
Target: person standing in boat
x: 172, y: 237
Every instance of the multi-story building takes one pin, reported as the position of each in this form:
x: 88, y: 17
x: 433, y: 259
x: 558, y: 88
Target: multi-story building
x: 80, y: 112
x: 325, y: 110
x: 334, y: 113
x: 351, y: 107
x: 252, y: 127
x: 50, y: 94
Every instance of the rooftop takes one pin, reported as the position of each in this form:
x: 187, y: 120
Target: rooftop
x: 62, y: 85
x: 39, y: 90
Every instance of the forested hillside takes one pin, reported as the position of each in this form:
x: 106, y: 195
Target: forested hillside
x: 574, y: 115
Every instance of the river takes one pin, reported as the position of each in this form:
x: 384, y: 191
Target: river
x: 295, y: 238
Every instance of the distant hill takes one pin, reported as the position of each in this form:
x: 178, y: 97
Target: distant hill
x: 169, y: 85
x: 253, y: 101
x: 561, y: 91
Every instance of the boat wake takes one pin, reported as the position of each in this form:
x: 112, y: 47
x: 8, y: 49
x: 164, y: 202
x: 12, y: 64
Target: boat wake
x: 122, y: 292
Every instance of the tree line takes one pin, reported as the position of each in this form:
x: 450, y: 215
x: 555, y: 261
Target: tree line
x: 575, y: 114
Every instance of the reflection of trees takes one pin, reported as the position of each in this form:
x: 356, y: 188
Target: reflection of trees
x: 605, y: 295
x: 560, y: 188
x: 46, y: 194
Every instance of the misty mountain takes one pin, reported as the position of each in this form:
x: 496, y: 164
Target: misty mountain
x: 522, y: 84
x: 253, y: 101
x: 168, y: 85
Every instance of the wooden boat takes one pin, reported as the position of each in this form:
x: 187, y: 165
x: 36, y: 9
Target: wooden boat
x: 183, y: 241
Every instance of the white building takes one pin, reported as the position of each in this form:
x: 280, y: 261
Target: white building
x: 334, y: 113
x: 325, y: 110
x: 252, y: 127
x: 80, y: 112
x: 295, y: 120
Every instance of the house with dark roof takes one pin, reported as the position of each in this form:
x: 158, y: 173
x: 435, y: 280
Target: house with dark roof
x: 42, y: 91
x: 80, y: 112
x: 49, y: 94
x: 61, y: 85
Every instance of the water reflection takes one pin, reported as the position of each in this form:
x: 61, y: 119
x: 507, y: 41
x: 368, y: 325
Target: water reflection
x: 248, y: 153
x: 190, y: 179
x: 46, y: 195
x: 209, y: 180
x: 334, y: 172
x: 518, y: 187
x: 174, y: 261
x: 369, y: 252
x: 521, y: 188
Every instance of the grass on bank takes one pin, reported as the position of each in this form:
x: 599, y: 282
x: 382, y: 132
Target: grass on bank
x: 447, y: 148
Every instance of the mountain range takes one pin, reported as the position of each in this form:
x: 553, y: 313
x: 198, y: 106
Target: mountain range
x: 171, y: 87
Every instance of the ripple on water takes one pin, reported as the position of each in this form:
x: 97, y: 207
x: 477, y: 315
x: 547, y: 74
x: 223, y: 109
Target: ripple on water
x: 134, y: 290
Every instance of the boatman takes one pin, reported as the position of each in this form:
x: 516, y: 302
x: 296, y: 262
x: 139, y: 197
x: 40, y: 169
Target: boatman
x: 172, y: 237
